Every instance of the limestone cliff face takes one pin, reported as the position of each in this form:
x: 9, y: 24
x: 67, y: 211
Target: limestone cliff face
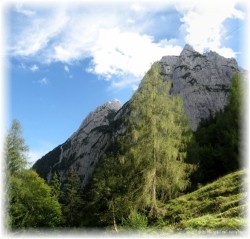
x: 83, y: 149
x: 203, y: 80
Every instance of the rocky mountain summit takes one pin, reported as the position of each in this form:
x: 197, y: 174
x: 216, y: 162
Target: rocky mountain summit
x: 203, y: 80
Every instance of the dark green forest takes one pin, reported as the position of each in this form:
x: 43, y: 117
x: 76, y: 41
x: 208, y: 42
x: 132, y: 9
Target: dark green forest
x: 157, y: 175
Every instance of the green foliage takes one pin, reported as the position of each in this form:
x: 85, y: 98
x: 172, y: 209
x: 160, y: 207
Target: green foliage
x: 15, y: 149
x: 220, y: 205
x: 217, y: 146
x: 30, y: 204
x: 211, y: 222
x: 29, y: 200
x: 137, y: 182
x: 154, y: 146
x: 135, y: 221
x: 71, y: 200
x: 55, y: 186
x: 107, y: 195
x: 147, y: 163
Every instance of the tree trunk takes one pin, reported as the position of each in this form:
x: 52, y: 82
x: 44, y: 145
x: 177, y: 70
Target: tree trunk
x: 114, y: 221
x: 153, y: 212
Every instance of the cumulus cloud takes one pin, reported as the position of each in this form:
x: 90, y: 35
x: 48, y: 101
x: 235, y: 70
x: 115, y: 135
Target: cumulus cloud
x: 115, y: 41
x: 115, y: 50
x: 34, y: 68
x: 121, y: 53
x: 204, y: 24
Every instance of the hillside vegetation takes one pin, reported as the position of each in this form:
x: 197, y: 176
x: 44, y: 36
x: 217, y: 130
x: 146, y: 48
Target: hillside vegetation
x: 220, y: 205
x: 149, y: 178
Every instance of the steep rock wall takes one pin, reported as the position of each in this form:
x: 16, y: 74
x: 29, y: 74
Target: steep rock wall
x: 203, y: 80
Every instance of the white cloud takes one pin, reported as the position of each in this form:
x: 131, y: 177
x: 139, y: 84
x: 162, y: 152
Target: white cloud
x: 114, y: 48
x: 126, y: 81
x: 121, y: 53
x: 130, y: 21
x: 43, y: 81
x: 34, y: 68
x: 27, y: 12
x: 36, y: 36
x: 114, y: 40
x: 66, y: 68
x: 204, y: 24
x: 137, y: 7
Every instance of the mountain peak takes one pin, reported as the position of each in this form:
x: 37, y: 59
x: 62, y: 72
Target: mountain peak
x: 188, y: 50
x: 99, y: 116
x: 203, y: 81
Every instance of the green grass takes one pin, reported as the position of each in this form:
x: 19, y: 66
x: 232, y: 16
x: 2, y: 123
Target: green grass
x: 220, y: 205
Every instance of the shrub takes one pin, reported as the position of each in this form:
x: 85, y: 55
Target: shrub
x: 135, y: 221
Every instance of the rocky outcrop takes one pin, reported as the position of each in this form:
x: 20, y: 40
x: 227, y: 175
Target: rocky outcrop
x: 83, y: 149
x: 203, y: 80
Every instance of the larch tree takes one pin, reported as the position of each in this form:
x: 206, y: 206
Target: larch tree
x: 146, y: 164
x: 156, y: 143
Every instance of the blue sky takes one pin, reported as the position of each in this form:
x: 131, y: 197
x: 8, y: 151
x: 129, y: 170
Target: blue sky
x: 64, y: 60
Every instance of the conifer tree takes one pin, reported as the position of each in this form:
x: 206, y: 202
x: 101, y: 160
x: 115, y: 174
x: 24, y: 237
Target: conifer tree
x: 109, y: 201
x: 72, y: 201
x: 156, y: 143
x: 148, y: 164
x: 217, y: 141
x: 15, y: 149
x: 55, y: 186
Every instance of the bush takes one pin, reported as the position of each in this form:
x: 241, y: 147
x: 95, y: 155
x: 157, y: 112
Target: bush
x: 135, y: 221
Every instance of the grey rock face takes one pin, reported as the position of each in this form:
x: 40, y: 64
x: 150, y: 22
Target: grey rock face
x: 203, y: 80
x: 83, y: 149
